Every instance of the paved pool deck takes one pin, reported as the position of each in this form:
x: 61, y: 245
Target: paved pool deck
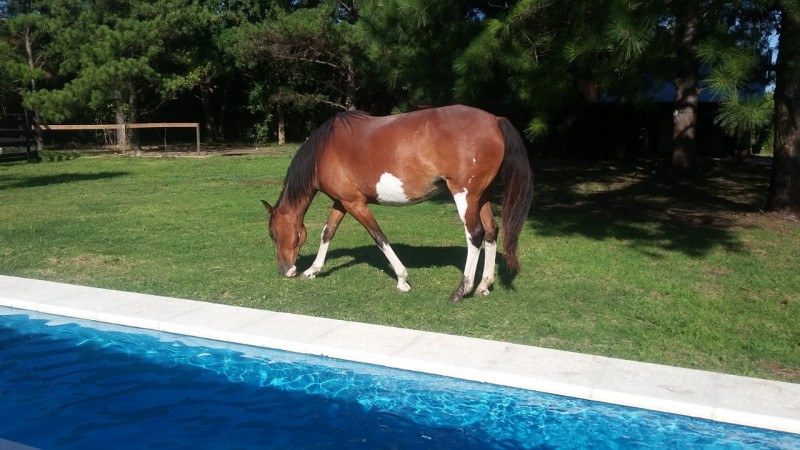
x: 724, y: 398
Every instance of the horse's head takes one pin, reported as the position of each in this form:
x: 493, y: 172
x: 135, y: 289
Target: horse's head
x: 289, y: 234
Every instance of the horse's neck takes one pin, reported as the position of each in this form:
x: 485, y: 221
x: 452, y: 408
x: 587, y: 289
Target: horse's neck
x: 299, y: 207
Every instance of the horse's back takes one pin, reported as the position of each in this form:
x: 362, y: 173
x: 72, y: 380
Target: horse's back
x: 412, y: 155
x: 448, y: 126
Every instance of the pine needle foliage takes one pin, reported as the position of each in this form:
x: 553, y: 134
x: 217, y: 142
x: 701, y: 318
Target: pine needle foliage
x: 741, y: 116
x: 628, y: 31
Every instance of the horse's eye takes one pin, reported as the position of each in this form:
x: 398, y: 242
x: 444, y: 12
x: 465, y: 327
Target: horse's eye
x: 272, y: 234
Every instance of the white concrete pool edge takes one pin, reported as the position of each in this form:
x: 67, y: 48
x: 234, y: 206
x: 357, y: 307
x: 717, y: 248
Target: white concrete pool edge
x: 719, y: 397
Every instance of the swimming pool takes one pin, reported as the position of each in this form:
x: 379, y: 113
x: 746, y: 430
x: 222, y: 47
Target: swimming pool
x: 75, y: 384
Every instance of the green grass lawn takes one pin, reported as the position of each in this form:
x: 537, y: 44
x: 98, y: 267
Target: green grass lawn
x: 616, y: 261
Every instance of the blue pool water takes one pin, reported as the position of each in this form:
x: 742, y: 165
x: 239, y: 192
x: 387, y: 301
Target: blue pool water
x: 72, y: 384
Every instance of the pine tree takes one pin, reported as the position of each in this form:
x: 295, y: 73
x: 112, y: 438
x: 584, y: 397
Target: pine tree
x: 557, y: 55
x: 119, y: 59
x: 784, y: 190
x: 27, y: 30
x: 411, y: 48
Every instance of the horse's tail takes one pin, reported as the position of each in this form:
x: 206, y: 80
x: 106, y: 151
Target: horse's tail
x: 518, y: 187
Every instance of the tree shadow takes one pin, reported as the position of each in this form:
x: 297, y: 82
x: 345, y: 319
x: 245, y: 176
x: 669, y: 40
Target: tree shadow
x: 647, y: 210
x: 47, y: 180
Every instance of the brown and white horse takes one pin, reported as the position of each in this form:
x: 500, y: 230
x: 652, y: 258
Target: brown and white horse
x: 357, y: 159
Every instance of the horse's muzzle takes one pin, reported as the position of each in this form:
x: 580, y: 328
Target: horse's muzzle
x: 289, y: 272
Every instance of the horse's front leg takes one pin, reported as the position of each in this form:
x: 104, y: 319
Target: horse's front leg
x: 328, y: 231
x: 364, y: 216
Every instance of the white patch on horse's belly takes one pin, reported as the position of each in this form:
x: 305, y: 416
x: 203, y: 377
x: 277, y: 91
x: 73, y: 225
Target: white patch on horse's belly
x: 390, y: 190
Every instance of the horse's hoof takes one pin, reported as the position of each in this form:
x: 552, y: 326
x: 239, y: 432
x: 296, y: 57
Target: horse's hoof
x: 463, y: 289
x: 458, y: 295
x: 308, y: 275
x: 405, y: 287
x: 483, y: 288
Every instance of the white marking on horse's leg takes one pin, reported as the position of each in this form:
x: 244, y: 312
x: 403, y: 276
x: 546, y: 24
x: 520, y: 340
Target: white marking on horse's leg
x: 390, y: 190
x: 473, y: 251
x: 399, y: 268
x: 461, y: 205
x: 319, y: 261
x: 471, y: 266
x: 490, y: 252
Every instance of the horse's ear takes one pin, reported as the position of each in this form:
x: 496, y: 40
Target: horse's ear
x: 267, y: 206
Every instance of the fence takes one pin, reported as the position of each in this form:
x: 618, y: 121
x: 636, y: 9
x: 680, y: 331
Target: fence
x: 16, y: 139
x: 128, y: 126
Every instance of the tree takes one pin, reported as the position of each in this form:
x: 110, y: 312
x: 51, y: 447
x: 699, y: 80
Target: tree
x: 304, y: 58
x: 520, y: 53
x: 689, y: 18
x: 784, y: 190
x: 411, y: 48
x: 120, y: 58
x: 739, y: 63
x: 378, y: 56
x: 217, y: 72
x: 7, y: 85
x: 558, y: 55
x: 756, y: 22
x: 28, y: 30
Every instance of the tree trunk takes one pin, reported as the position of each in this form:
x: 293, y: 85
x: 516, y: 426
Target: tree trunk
x: 350, y: 101
x: 281, y: 125
x: 687, y: 92
x: 122, y: 130
x: 784, y: 186
x: 133, y: 117
x: 684, y: 138
x: 37, y: 121
x: 209, y: 125
x: 125, y: 113
x: 220, y: 131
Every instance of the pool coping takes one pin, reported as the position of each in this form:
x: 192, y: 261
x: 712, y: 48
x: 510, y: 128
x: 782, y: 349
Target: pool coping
x: 725, y: 398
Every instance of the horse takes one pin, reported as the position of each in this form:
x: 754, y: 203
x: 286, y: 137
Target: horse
x: 403, y: 159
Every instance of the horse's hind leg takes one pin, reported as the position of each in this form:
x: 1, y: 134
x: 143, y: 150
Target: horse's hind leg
x: 362, y: 213
x: 328, y: 231
x: 468, y: 210
x: 490, y: 248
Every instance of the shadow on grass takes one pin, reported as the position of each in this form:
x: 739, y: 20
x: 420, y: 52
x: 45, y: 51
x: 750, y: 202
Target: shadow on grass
x: 633, y: 204
x: 413, y: 257
x: 651, y: 212
x: 48, y: 180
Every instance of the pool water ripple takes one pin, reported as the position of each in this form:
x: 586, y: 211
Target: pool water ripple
x: 68, y: 384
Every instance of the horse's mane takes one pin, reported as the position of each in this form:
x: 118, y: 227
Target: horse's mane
x: 299, y: 181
